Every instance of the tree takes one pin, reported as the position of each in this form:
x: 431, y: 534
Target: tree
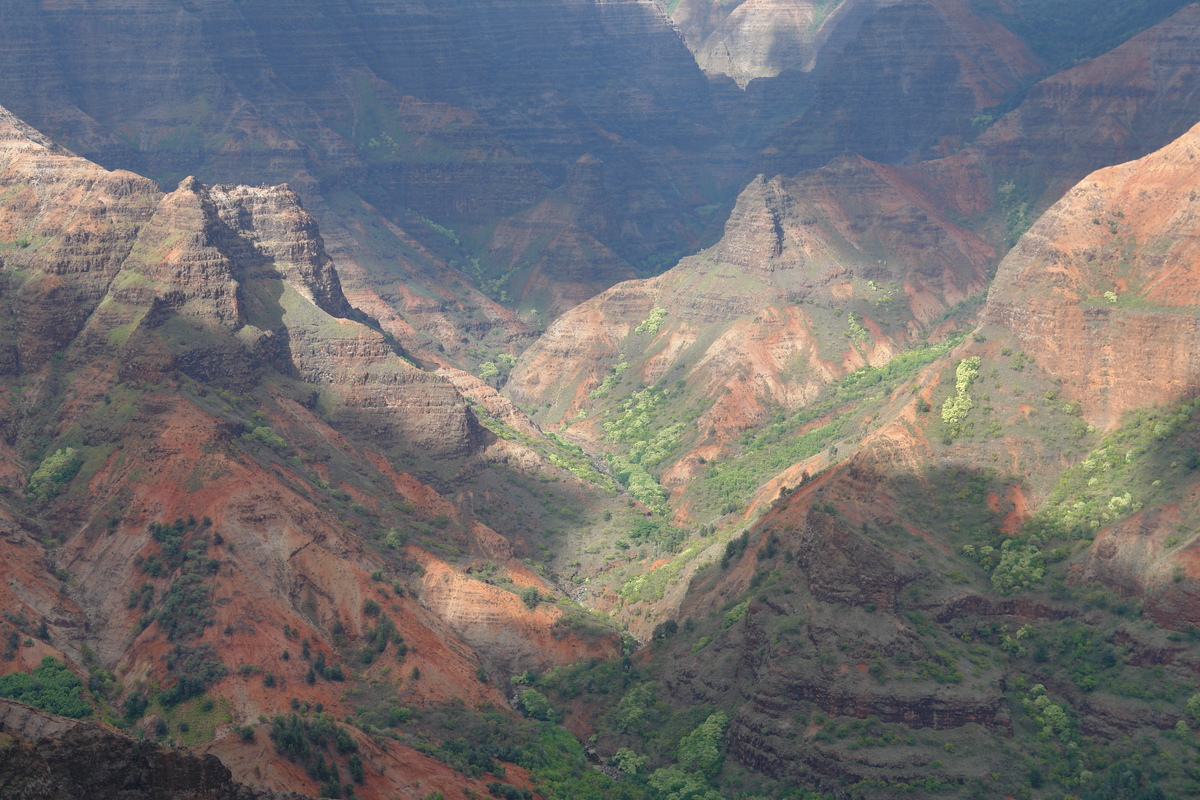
x: 537, y: 706
x: 700, y: 750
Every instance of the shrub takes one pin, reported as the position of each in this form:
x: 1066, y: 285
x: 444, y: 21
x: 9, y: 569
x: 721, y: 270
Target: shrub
x: 537, y: 706
x: 269, y: 437
x: 52, y: 687
x: 135, y: 706
x: 666, y: 629
x: 956, y: 407
x: 53, y: 473
x: 700, y: 751
x: 1020, y: 567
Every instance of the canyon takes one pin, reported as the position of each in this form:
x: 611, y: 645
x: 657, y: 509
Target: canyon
x: 598, y: 399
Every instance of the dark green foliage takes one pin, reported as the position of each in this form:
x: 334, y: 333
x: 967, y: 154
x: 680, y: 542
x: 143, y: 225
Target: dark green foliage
x: 52, y: 687
x: 535, y: 704
x: 172, y: 539
x: 142, y: 596
x: 665, y: 629
x: 383, y: 715
x: 11, y: 643
x: 734, y: 549
x: 593, y: 677
x: 1126, y: 781
x: 507, y: 791
x: 194, y: 669
x: 556, y: 761
x: 135, y: 705
x: 307, y: 740
x: 186, y: 608
x: 377, y: 640
x: 344, y: 742
x: 531, y: 596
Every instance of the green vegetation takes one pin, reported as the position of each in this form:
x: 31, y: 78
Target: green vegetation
x: 653, y: 322
x: 52, y: 687
x: 958, y: 405
x: 269, y: 437
x: 1135, y: 465
x: 194, y: 669
x: 726, y: 486
x: 185, y: 608
x: 649, y: 442
x: 310, y: 740
x: 53, y: 474
x: 530, y: 596
x: 1020, y: 567
x: 610, y: 381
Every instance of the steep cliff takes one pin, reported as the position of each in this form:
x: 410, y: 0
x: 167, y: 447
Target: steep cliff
x: 207, y: 456
x: 1114, y: 108
x: 864, y: 601
x: 905, y: 87
x: 460, y: 114
x: 816, y: 276
x: 1099, y: 291
x: 749, y: 40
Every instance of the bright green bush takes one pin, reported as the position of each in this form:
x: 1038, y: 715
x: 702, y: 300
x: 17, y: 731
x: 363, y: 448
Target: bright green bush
x: 53, y: 473
x: 956, y: 407
x: 701, y: 750
x: 652, y: 323
x: 1021, y: 566
x: 52, y: 687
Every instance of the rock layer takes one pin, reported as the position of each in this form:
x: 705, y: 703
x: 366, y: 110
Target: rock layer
x: 1100, y: 289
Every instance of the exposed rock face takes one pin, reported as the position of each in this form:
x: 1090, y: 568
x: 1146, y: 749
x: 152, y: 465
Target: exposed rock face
x: 195, y: 351
x: 845, y: 567
x: 465, y: 115
x: 228, y: 260
x: 1114, y: 108
x: 759, y: 320
x: 762, y: 38
x: 825, y: 636
x: 43, y: 757
x: 1099, y: 290
x: 905, y: 86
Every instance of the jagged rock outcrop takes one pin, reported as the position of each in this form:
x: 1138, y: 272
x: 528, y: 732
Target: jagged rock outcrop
x: 463, y: 114
x: 206, y: 372
x: 218, y: 283
x: 763, y: 319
